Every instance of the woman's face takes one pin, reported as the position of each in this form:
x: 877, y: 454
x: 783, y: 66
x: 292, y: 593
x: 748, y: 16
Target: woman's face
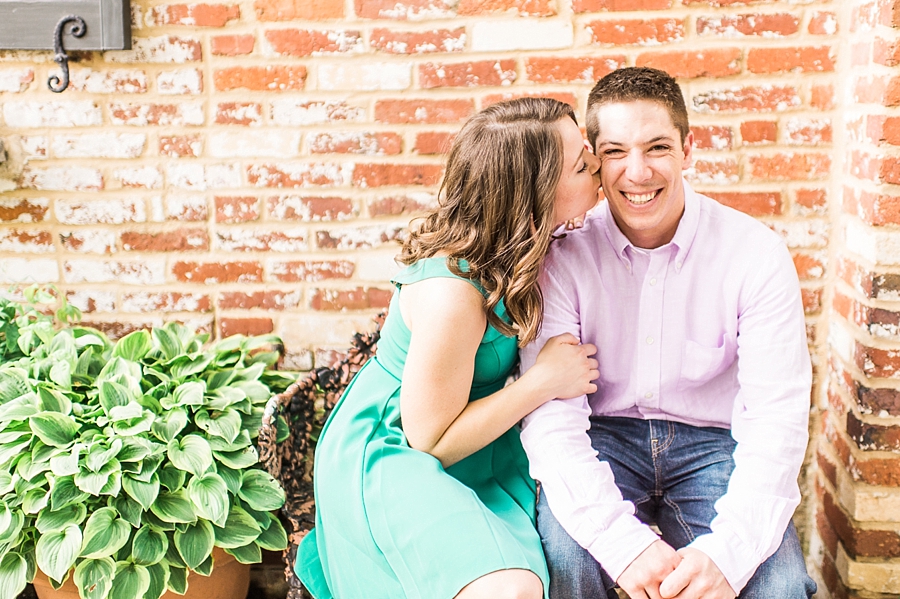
x: 579, y: 183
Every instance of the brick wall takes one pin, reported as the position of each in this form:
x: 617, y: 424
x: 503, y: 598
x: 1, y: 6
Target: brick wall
x: 248, y: 166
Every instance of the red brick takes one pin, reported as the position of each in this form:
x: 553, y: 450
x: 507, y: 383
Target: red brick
x: 790, y: 167
x: 718, y: 3
x: 249, y: 240
x: 808, y: 267
x: 180, y: 146
x: 748, y: 99
x: 165, y: 301
x: 23, y: 210
x: 309, y: 209
x: 566, y: 97
x: 810, y: 132
x: 715, y: 172
x: 210, y: 273
x: 822, y: 97
x: 232, y: 45
x: 194, y: 15
x: 397, y: 205
x: 433, y: 142
x: 245, y: 326
x: 646, y: 32
x: 304, y: 42
x: 236, y: 209
x: 358, y: 238
x: 712, y: 137
x: 467, y: 74
x: 291, y: 10
x: 186, y: 209
x: 823, y: 23
x: 152, y: 114
x: 26, y: 241
x: 860, y: 54
x: 349, y: 299
x: 295, y: 175
x: 873, y: 437
x: 379, y: 175
x: 754, y: 204
x: 884, y: 129
x: 758, y: 132
x: 269, y: 78
x: 534, y: 8
x: 239, y: 113
x: 264, y: 300
x: 580, y: 6
x: 401, y: 9
x: 715, y: 62
x: 890, y: 170
x: 179, y: 240
x: 857, y: 541
x: 565, y: 70
x: 814, y: 200
x: 812, y: 300
x: 423, y: 111
x: 874, y: 209
x: 885, y: 52
x: 418, y: 42
x: 766, y: 25
x: 311, y: 271
x: 872, y: 471
x: 878, y: 363
x: 794, y: 60
x: 356, y: 142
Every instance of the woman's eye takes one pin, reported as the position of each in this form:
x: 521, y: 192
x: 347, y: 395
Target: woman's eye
x: 583, y: 168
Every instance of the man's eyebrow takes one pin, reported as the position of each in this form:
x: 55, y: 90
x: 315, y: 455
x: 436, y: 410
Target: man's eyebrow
x: 646, y: 143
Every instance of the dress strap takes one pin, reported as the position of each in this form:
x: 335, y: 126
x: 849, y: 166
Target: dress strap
x: 430, y: 268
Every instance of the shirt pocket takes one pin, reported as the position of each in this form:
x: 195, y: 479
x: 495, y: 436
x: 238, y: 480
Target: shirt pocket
x: 701, y: 363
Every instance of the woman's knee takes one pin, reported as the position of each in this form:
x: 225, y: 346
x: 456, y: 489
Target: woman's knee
x: 504, y: 584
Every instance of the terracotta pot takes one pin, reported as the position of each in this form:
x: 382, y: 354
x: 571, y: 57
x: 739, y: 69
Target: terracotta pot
x: 230, y: 579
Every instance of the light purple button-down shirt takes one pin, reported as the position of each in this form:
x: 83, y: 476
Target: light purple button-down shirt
x: 707, y: 330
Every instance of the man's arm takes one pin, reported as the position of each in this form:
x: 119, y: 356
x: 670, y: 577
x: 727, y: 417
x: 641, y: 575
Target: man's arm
x: 770, y: 425
x: 580, y: 489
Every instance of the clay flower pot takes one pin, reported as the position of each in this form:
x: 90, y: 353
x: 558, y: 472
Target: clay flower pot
x: 229, y: 579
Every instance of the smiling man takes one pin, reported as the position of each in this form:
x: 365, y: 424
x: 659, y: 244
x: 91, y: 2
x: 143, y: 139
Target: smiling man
x: 699, y: 423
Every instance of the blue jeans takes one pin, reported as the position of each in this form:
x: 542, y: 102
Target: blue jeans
x: 673, y: 473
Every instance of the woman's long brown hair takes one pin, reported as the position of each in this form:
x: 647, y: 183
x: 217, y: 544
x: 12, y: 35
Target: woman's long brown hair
x: 496, y: 205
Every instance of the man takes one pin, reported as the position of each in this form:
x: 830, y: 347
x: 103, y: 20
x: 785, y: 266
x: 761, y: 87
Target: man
x: 699, y: 424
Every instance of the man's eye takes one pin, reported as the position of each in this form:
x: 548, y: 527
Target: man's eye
x: 612, y: 152
x: 660, y: 148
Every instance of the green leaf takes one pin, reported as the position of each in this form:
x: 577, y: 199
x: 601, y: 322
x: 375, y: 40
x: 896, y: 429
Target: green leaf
x: 148, y: 546
x: 54, y: 521
x: 52, y: 400
x: 231, y: 477
x: 260, y: 490
x: 205, y: 569
x: 178, y: 580
x: 135, y: 449
x: 131, y: 580
x: 274, y: 538
x: 170, y: 424
x: 190, y: 394
x: 65, y: 492
x: 173, y: 558
x: 144, y: 493
x: 191, y: 454
x: 171, y: 477
x: 185, y: 366
x: 35, y: 500
x: 6, y: 484
x: 195, y: 544
x: 97, y: 483
x: 93, y: 577
x: 104, y: 534
x: 56, y: 551
x: 130, y: 410
x: 133, y: 346
x: 169, y: 344
x: 129, y: 509
x: 174, y: 507
x: 11, y: 522
x: 225, y: 424
x: 100, y: 454
x: 53, y: 428
x: 10, y: 450
x: 13, y: 570
x: 240, y: 528
x: 247, y: 554
x: 238, y: 460
x: 225, y: 397
x: 209, y: 494
x: 61, y: 374
x: 159, y: 577
x: 113, y: 395
x: 66, y: 464
x: 135, y: 426
x: 239, y: 443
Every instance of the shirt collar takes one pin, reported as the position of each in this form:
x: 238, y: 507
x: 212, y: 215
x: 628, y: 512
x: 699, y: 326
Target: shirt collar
x: 684, y: 234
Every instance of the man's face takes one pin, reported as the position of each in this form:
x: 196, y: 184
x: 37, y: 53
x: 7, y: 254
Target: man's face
x: 642, y: 157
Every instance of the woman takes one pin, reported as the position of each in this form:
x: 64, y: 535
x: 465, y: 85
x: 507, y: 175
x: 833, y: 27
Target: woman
x: 421, y: 491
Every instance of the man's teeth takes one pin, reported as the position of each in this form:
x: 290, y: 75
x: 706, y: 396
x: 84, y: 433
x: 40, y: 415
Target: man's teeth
x: 639, y: 198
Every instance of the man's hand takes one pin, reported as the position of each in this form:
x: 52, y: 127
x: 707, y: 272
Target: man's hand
x: 642, y: 577
x: 696, y: 577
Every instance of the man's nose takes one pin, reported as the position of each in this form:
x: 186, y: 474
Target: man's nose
x: 636, y: 167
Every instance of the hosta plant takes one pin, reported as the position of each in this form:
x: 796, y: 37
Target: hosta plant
x: 122, y: 465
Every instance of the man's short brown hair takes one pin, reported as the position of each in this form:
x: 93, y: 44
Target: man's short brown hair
x: 637, y: 83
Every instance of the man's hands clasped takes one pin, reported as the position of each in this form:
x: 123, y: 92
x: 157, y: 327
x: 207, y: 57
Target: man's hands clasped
x: 660, y: 572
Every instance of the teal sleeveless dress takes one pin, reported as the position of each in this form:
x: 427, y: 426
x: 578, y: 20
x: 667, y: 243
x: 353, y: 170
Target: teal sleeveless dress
x: 391, y: 522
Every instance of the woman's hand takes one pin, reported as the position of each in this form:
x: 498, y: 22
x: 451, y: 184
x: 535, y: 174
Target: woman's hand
x: 565, y: 368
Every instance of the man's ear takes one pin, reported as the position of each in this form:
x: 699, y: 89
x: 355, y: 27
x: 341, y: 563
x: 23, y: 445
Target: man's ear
x: 688, y: 151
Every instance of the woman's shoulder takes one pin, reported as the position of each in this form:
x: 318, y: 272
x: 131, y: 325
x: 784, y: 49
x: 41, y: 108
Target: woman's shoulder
x: 434, y: 267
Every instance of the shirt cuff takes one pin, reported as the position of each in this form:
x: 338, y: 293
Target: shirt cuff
x: 621, y: 544
x: 735, y: 559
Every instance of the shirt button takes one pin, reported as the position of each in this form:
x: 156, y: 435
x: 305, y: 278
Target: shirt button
x: 678, y: 264
x: 649, y: 340
x: 653, y: 281
x: 648, y: 395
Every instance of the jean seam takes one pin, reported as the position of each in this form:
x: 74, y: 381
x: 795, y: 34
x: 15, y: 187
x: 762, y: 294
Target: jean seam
x: 670, y: 436
x: 680, y: 518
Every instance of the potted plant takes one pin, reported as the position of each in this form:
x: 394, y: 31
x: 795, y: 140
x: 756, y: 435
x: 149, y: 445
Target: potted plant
x: 123, y: 465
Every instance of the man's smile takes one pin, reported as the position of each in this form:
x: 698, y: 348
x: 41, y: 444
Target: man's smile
x: 640, y: 198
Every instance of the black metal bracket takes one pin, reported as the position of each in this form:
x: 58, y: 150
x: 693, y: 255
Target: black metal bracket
x: 77, y: 29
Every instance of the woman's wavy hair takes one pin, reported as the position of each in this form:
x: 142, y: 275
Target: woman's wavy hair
x: 496, y: 206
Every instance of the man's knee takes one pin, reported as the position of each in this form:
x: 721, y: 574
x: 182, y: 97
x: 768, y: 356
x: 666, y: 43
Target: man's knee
x: 783, y: 574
